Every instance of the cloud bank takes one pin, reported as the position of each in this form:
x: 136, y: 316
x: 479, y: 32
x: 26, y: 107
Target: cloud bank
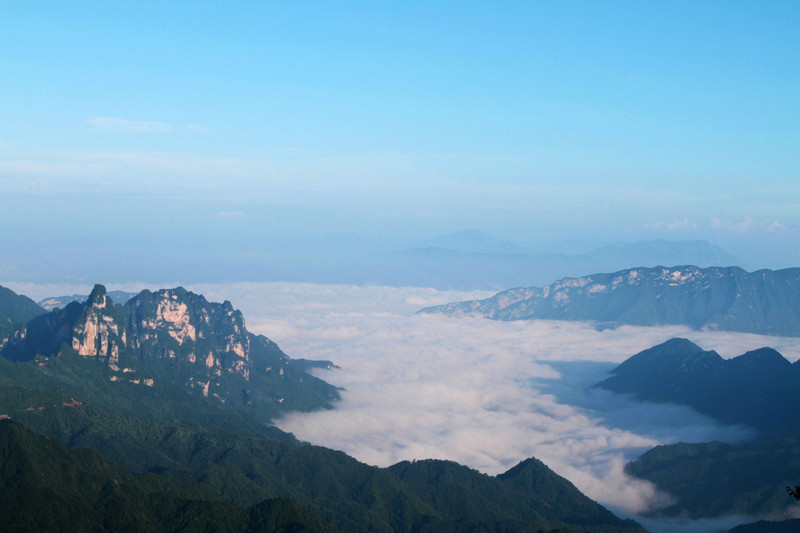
x: 486, y: 394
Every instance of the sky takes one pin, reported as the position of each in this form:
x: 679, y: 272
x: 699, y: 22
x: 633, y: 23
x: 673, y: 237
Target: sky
x: 150, y: 130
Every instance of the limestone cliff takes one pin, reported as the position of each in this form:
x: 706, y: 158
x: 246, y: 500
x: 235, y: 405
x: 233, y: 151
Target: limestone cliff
x: 176, y: 337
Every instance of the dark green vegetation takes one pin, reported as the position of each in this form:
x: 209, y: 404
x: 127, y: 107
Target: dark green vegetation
x: 713, y: 478
x: 173, y: 337
x: 45, y: 487
x: 177, y: 458
x: 757, y: 389
x: 728, y: 299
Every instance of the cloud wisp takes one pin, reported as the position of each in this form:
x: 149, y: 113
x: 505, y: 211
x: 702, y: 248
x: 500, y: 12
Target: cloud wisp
x: 122, y: 125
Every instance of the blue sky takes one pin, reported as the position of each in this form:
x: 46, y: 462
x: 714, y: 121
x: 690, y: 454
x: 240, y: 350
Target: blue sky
x: 554, y: 124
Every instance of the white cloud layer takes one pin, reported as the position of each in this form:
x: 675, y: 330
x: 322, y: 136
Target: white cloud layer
x: 484, y: 393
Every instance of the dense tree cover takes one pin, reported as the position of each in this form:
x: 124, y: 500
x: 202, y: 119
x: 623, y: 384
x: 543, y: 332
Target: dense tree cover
x: 189, y: 461
x: 756, y: 389
x: 244, y: 467
x: 714, y: 478
x: 45, y: 487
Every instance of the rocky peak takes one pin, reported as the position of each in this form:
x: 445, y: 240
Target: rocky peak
x: 98, y: 298
x: 99, y: 332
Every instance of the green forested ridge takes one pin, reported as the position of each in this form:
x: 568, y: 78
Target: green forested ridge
x: 713, y: 478
x: 718, y: 298
x: 45, y: 487
x: 756, y: 389
x: 246, y: 468
x: 172, y: 337
x: 219, y: 464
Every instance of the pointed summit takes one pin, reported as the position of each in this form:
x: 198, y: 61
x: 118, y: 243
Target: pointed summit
x: 674, y: 356
x: 98, y: 298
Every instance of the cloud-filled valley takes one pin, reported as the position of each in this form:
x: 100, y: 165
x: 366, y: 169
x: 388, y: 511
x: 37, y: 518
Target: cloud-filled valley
x: 484, y: 393
x: 487, y: 394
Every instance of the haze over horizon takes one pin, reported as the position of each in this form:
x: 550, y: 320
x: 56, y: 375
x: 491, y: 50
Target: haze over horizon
x: 245, y: 137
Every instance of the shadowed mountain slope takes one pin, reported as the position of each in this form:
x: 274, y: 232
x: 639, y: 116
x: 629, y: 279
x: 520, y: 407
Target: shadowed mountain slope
x: 719, y: 298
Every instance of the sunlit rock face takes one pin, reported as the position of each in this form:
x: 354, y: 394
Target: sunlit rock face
x: 99, y: 331
x: 185, y: 326
x: 715, y: 298
x: 176, y: 336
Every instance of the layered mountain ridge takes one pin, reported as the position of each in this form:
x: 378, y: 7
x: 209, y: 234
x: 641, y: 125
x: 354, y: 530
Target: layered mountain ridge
x: 173, y: 389
x: 177, y: 337
x: 756, y: 388
x: 716, y: 298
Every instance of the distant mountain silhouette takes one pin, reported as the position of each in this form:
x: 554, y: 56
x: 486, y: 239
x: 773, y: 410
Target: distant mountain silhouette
x: 52, y: 302
x: 15, y: 309
x: 756, y: 389
x: 718, y: 298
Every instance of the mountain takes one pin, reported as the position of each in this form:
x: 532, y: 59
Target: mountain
x: 121, y: 380
x: 769, y: 526
x: 53, y: 302
x: 471, y: 259
x: 15, y: 310
x: 712, y: 479
x: 243, y: 463
x: 173, y: 337
x: 45, y: 487
x: 471, y: 241
x: 756, y: 389
x: 527, y: 493
x: 718, y: 298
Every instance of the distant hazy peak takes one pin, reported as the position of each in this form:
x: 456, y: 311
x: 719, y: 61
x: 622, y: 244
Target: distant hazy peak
x: 471, y: 241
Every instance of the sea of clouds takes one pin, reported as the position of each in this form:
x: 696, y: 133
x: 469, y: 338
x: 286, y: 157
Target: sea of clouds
x: 484, y: 393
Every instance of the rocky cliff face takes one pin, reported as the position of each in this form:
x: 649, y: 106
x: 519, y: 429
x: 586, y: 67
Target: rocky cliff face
x: 172, y: 336
x: 99, y: 332
x: 730, y: 299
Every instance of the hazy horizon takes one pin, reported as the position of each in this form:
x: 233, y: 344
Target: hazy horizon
x: 303, y: 160
x: 234, y: 141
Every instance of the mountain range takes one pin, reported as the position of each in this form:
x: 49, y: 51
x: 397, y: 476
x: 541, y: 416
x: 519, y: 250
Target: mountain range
x: 471, y: 259
x: 717, y: 298
x: 757, y: 389
x: 173, y: 337
x: 463, y: 260
x: 177, y: 397
x: 53, y: 302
